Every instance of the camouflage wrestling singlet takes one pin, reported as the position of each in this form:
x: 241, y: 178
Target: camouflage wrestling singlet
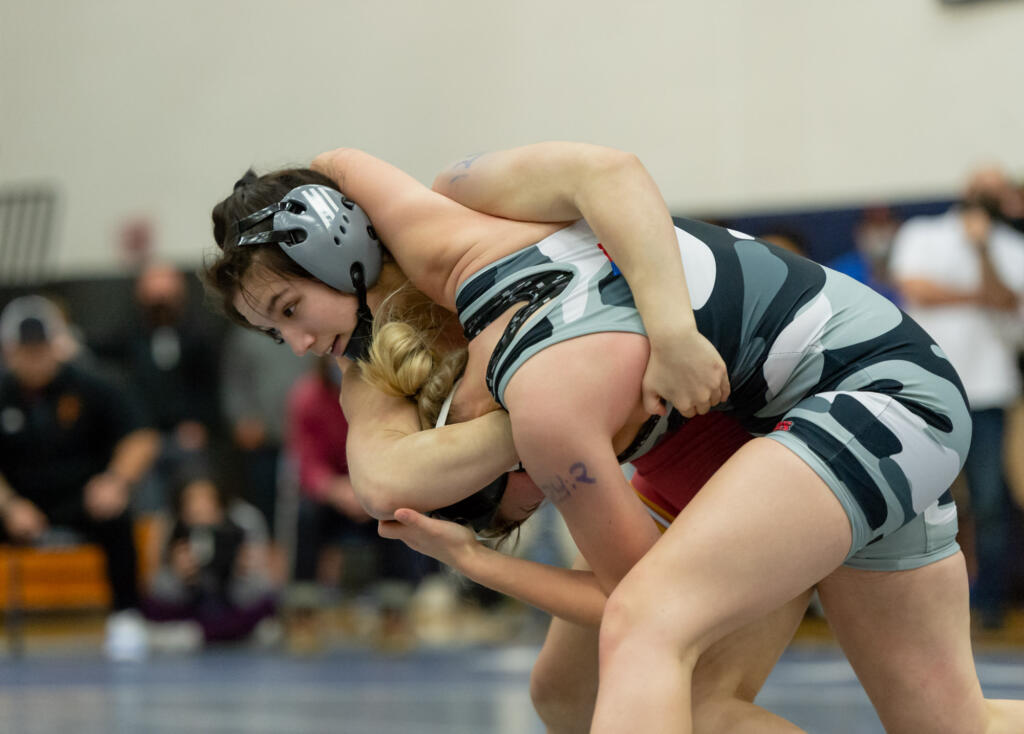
x: 816, y: 361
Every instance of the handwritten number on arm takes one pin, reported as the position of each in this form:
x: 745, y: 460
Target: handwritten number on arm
x: 558, y: 489
x: 579, y: 474
x: 465, y: 163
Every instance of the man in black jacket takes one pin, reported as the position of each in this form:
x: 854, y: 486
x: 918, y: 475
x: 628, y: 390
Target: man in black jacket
x: 72, y: 446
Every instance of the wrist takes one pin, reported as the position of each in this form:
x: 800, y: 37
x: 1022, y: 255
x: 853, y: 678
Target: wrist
x: 666, y: 330
x: 468, y: 559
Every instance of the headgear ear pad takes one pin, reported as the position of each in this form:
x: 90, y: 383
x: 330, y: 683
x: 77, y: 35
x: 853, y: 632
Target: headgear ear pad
x: 322, y: 231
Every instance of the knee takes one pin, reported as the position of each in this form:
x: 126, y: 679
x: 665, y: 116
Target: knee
x: 637, y: 620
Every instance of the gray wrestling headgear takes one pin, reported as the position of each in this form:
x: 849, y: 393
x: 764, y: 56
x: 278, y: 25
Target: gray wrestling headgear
x: 333, y: 239
x: 323, y: 232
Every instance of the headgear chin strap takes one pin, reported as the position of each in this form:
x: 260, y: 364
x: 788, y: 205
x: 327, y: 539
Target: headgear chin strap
x: 359, y: 342
x: 333, y: 239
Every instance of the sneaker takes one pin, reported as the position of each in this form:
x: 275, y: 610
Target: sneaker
x: 126, y: 640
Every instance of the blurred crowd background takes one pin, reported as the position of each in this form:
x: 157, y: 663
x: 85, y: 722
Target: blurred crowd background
x: 246, y: 526
x: 881, y: 139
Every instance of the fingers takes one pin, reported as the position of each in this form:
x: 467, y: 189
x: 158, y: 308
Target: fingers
x: 406, y: 516
x: 701, y: 401
x: 724, y: 389
x: 694, y: 410
x: 654, y: 404
x: 395, y: 529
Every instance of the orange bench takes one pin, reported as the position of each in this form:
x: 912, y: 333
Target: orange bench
x: 66, y: 577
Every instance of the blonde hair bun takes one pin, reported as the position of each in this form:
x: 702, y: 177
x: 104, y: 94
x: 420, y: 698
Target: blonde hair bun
x: 399, y: 360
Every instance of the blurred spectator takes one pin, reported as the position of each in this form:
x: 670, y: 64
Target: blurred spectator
x: 213, y: 571
x: 256, y: 377
x: 961, y: 275
x: 787, y: 239
x: 330, y: 516
x: 992, y: 189
x: 173, y: 362
x: 328, y: 508
x: 72, y: 446
x: 868, y: 262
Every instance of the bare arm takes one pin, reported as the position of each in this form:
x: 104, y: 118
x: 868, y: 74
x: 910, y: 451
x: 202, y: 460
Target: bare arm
x: 426, y: 232
x: 134, y: 454
x: 924, y: 292
x: 573, y: 595
x: 394, y: 464
x: 613, y: 191
x: 107, y: 494
x: 992, y: 291
x: 563, y: 434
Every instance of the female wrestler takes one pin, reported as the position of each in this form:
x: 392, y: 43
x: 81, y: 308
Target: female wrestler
x: 563, y: 684
x: 728, y: 675
x: 868, y: 417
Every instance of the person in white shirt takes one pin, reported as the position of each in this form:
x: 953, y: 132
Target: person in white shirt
x: 961, y: 275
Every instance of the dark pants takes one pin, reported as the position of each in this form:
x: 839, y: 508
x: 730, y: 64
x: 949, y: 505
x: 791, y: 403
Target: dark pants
x: 115, y: 536
x: 990, y: 508
x: 260, y: 489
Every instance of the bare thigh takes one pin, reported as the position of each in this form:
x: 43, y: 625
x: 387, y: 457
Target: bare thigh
x: 738, y: 664
x: 763, y: 530
x: 907, y: 635
x: 728, y: 676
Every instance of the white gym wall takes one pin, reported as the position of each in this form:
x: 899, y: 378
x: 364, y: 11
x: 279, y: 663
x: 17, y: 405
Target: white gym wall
x: 153, y: 109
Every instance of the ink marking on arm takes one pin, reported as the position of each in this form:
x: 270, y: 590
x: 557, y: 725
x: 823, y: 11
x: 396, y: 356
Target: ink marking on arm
x: 579, y: 473
x: 467, y: 162
x: 464, y: 163
x: 556, y: 490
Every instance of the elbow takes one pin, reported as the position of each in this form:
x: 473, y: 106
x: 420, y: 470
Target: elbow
x: 442, y: 182
x: 378, y: 499
x: 604, y: 167
x: 333, y: 164
x: 612, y: 161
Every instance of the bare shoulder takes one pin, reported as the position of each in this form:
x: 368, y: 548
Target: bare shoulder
x: 591, y: 382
